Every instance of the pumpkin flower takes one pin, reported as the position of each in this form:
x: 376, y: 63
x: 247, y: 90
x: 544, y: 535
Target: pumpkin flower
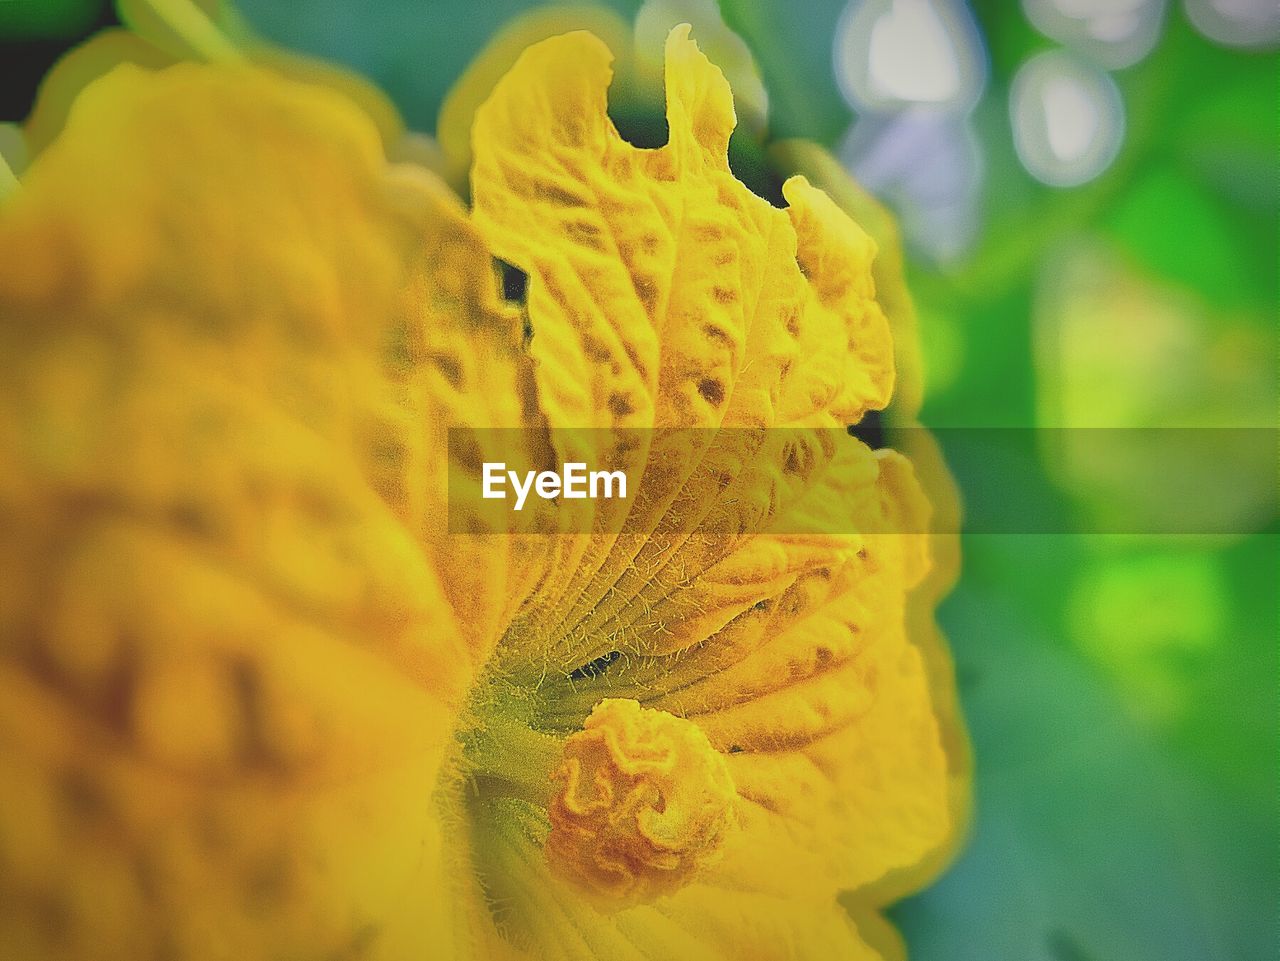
x: 258, y: 701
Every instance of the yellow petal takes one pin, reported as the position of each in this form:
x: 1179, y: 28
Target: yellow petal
x: 229, y: 671
x: 661, y: 291
x: 819, y: 166
x: 944, y: 544
x: 153, y: 41
x: 845, y: 321
x: 791, y: 653
x: 546, y: 918
x: 658, y: 282
x: 663, y: 294
x: 458, y: 110
x: 74, y: 71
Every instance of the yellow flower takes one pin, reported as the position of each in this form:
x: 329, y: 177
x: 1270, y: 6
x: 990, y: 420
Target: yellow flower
x: 257, y: 702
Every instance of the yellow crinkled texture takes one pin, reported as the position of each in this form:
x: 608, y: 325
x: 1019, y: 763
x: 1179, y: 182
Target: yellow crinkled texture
x: 662, y: 293
x: 657, y: 276
x: 229, y: 670
x: 253, y: 690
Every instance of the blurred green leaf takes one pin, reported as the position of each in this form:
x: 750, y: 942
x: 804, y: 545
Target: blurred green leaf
x: 1092, y: 842
x: 1177, y: 229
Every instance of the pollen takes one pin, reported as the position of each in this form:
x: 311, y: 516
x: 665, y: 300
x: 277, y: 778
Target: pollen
x: 642, y: 802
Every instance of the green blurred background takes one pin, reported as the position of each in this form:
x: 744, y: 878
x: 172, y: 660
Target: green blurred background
x: 1089, y: 192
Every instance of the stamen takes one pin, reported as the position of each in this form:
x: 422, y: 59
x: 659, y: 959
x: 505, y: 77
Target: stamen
x: 642, y: 802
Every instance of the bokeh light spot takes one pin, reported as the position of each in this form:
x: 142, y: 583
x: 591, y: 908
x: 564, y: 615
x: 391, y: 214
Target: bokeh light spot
x: 1150, y: 620
x: 928, y: 163
x: 1068, y: 119
x: 1237, y: 23
x: 1112, y: 33
x: 891, y: 54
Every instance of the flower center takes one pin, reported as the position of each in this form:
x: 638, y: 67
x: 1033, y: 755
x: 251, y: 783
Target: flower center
x: 641, y: 803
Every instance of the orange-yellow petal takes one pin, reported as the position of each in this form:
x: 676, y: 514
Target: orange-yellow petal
x: 229, y: 670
